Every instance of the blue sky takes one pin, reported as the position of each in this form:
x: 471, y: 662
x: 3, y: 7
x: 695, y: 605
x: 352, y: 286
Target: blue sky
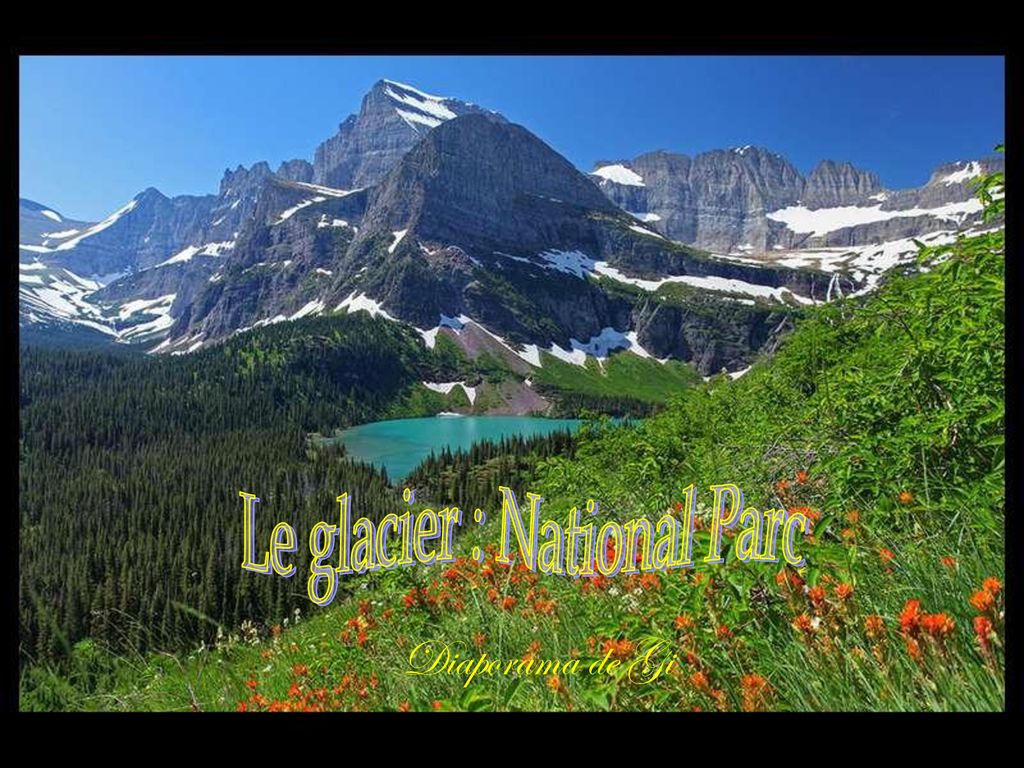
x: 94, y: 131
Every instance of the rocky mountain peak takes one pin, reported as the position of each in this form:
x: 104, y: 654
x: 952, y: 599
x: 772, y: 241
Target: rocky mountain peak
x: 833, y: 184
x: 392, y: 118
x: 296, y: 170
x: 235, y: 182
x: 478, y: 176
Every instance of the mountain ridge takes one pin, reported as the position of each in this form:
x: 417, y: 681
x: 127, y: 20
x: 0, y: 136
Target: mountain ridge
x: 466, y: 225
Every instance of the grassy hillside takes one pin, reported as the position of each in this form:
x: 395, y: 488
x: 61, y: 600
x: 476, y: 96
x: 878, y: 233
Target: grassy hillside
x: 881, y: 419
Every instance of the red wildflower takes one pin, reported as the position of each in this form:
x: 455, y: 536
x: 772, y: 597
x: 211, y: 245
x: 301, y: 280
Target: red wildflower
x: 910, y: 617
x: 983, y: 601
x: 816, y: 596
x: 937, y: 625
x: 683, y: 622
x: 804, y: 624
x: 992, y: 585
x: 984, y: 631
x: 700, y: 681
x: 619, y: 649
x: 801, y: 477
x: 754, y: 691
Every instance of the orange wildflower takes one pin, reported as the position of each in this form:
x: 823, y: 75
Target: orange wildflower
x: 949, y: 561
x: 937, y: 625
x: 983, y: 601
x: 404, y: 706
x: 801, y: 477
x: 300, y: 670
x: 683, y: 621
x: 844, y: 591
x: 804, y: 624
x: 984, y: 631
x: 874, y: 626
x: 700, y: 681
x: 906, y: 497
x: 992, y: 585
x: 619, y: 649
x: 910, y: 616
x: 887, y: 555
x: 437, y: 705
x: 251, y: 683
x: 754, y: 690
x: 816, y: 596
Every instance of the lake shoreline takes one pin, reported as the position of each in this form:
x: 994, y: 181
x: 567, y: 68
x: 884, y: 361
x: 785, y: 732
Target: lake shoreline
x: 399, y: 445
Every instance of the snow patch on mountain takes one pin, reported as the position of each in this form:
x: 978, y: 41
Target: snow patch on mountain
x: 599, y: 347
x: 93, y: 230
x: 417, y: 107
x: 620, y: 174
x: 360, y: 302
x: 570, y: 262
x: 709, y: 283
x: 444, y: 387
x: 821, y: 221
x: 210, y: 249
x: 969, y: 171
x: 314, y: 307
x: 289, y: 212
x: 644, y: 231
x: 398, y: 235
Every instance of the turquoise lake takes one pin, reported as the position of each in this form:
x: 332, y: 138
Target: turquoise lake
x: 400, y: 444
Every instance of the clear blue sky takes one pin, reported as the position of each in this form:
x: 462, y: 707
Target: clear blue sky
x: 97, y: 130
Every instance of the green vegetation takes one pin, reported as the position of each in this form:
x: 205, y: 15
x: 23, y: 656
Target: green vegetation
x: 881, y: 419
x: 130, y: 469
x: 622, y: 385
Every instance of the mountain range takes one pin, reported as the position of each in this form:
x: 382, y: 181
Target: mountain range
x: 446, y: 216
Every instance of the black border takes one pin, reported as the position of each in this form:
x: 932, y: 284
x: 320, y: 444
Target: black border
x: 962, y: 36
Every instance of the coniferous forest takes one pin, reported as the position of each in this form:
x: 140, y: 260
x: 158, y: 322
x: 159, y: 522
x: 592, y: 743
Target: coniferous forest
x: 131, y: 468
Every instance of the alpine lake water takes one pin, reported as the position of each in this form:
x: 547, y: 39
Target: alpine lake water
x: 398, y: 445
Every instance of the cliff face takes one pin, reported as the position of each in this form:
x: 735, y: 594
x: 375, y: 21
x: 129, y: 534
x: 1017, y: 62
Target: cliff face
x: 835, y: 184
x: 750, y: 200
x: 481, y: 220
x: 443, y: 215
x: 392, y: 118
